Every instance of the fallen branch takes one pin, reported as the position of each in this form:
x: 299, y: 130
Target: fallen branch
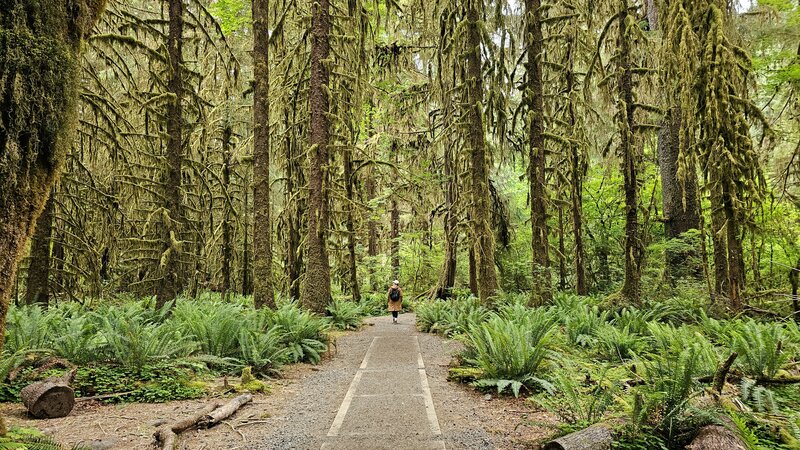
x: 722, y: 373
x: 223, y: 412
x: 102, y: 397
x: 167, y: 436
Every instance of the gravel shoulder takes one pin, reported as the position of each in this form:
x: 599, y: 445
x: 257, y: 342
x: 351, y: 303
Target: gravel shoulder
x: 302, y: 406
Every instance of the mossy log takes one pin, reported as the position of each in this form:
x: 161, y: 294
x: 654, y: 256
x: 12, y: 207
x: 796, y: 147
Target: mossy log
x: 48, y: 399
x: 595, y: 437
x: 716, y: 437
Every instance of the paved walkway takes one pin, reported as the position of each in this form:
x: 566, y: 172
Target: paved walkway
x: 388, y: 404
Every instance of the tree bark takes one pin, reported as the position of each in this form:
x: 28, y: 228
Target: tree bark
x: 719, y: 240
x: 247, y: 273
x: 717, y: 437
x: 794, y: 280
x: 680, y: 200
x: 394, y: 236
x: 317, y: 288
x: 293, y: 219
x: 534, y: 92
x: 263, y: 295
x: 634, y: 253
x: 479, y: 170
x: 372, y: 225
x: 37, y: 113
x: 473, y: 271
x: 171, y: 282
x: 227, y: 250
x: 736, y: 278
x: 448, y: 278
x: 595, y: 437
x: 347, y: 162
x: 37, y: 290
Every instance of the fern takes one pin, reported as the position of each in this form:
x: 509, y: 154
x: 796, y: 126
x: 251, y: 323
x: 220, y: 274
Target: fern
x: 509, y: 353
x: 431, y: 315
x: 344, y: 315
x: 760, y: 348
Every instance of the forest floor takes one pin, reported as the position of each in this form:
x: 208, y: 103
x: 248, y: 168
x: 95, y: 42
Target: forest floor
x: 385, y: 387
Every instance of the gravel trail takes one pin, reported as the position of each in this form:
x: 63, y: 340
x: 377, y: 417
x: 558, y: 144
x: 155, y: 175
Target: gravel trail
x: 387, y: 389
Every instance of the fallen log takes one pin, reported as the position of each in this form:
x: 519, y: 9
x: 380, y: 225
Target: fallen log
x: 167, y: 436
x: 49, y: 398
x: 717, y: 437
x: 223, y: 412
x: 595, y: 437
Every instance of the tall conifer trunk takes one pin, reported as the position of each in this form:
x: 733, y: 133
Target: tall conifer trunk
x: 631, y: 288
x: 680, y: 200
x: 263, y: 295
x: 347, y: 162
x: 479, y: 161
x: 171, y: 281
x: 317, y: 288
x: 227, y: 250
x: 534, y: 92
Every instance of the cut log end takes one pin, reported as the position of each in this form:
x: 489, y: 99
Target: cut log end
x: 595, y: 437
x: 48, y: 399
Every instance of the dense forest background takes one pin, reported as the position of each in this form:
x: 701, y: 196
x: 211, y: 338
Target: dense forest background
x: 643, y: 147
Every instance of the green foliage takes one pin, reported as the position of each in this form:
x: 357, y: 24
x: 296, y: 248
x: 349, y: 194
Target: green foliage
x: 463, y: 313
x: 618, y: 344
x: 758, y: 397
x: 213, y: 325
x: 344, y: 315
x: 302, y: 333
x: 373, y: 304
x: 578, y: 403
x: 132, y: 342
x: 581, y: 320
x: 432, y: 315
x: 760, y: 348
x: 155, y: 383
x: 509, y: 353
x: 31, y: 439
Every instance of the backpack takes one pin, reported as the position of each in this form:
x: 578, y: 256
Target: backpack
x: 394, y: 295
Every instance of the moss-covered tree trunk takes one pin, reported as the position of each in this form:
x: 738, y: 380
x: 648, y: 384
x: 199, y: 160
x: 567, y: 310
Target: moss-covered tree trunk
x: 448, y: 277
x: 479, y: 159
x: 347, y: 162
x: 227, y: 247
x: 680, y: 201
x: 534, y: 96
x: 39, y: 65
x: 37, y: 289
x: 262, y: 227
x: 317, y: 287
x: 172, y: 280
x: 394, y: 236
x: 634, y: 253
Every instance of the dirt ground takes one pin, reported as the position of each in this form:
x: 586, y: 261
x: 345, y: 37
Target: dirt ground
x: 302, y: 405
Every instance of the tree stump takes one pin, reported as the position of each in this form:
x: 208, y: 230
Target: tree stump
x: 595, y: 437
x: 49, y: 398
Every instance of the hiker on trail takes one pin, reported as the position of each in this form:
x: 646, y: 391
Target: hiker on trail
x: 395, y: 297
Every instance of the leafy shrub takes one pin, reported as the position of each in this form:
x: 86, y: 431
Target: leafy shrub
x: 462, y: 313
x: 575, y: 403
x: 303, y: 334
x: 618, y: 344
x: 509, y: 353
x: 671, y: 382
x: 432, y: 315
x: 667, y: 339
x: 28, y: 328
x: 581, y: 320
x: 760, y: 348
x: 150, y: 383
x: 373, y: 304
x: 263, y: 351
x: 132, y: 342
x: 344, y: 315
x: 213, y: 325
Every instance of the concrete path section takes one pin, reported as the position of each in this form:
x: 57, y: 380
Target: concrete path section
x: 388, y: 404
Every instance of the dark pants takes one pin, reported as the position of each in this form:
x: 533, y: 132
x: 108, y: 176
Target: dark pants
x: 395, y: 313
